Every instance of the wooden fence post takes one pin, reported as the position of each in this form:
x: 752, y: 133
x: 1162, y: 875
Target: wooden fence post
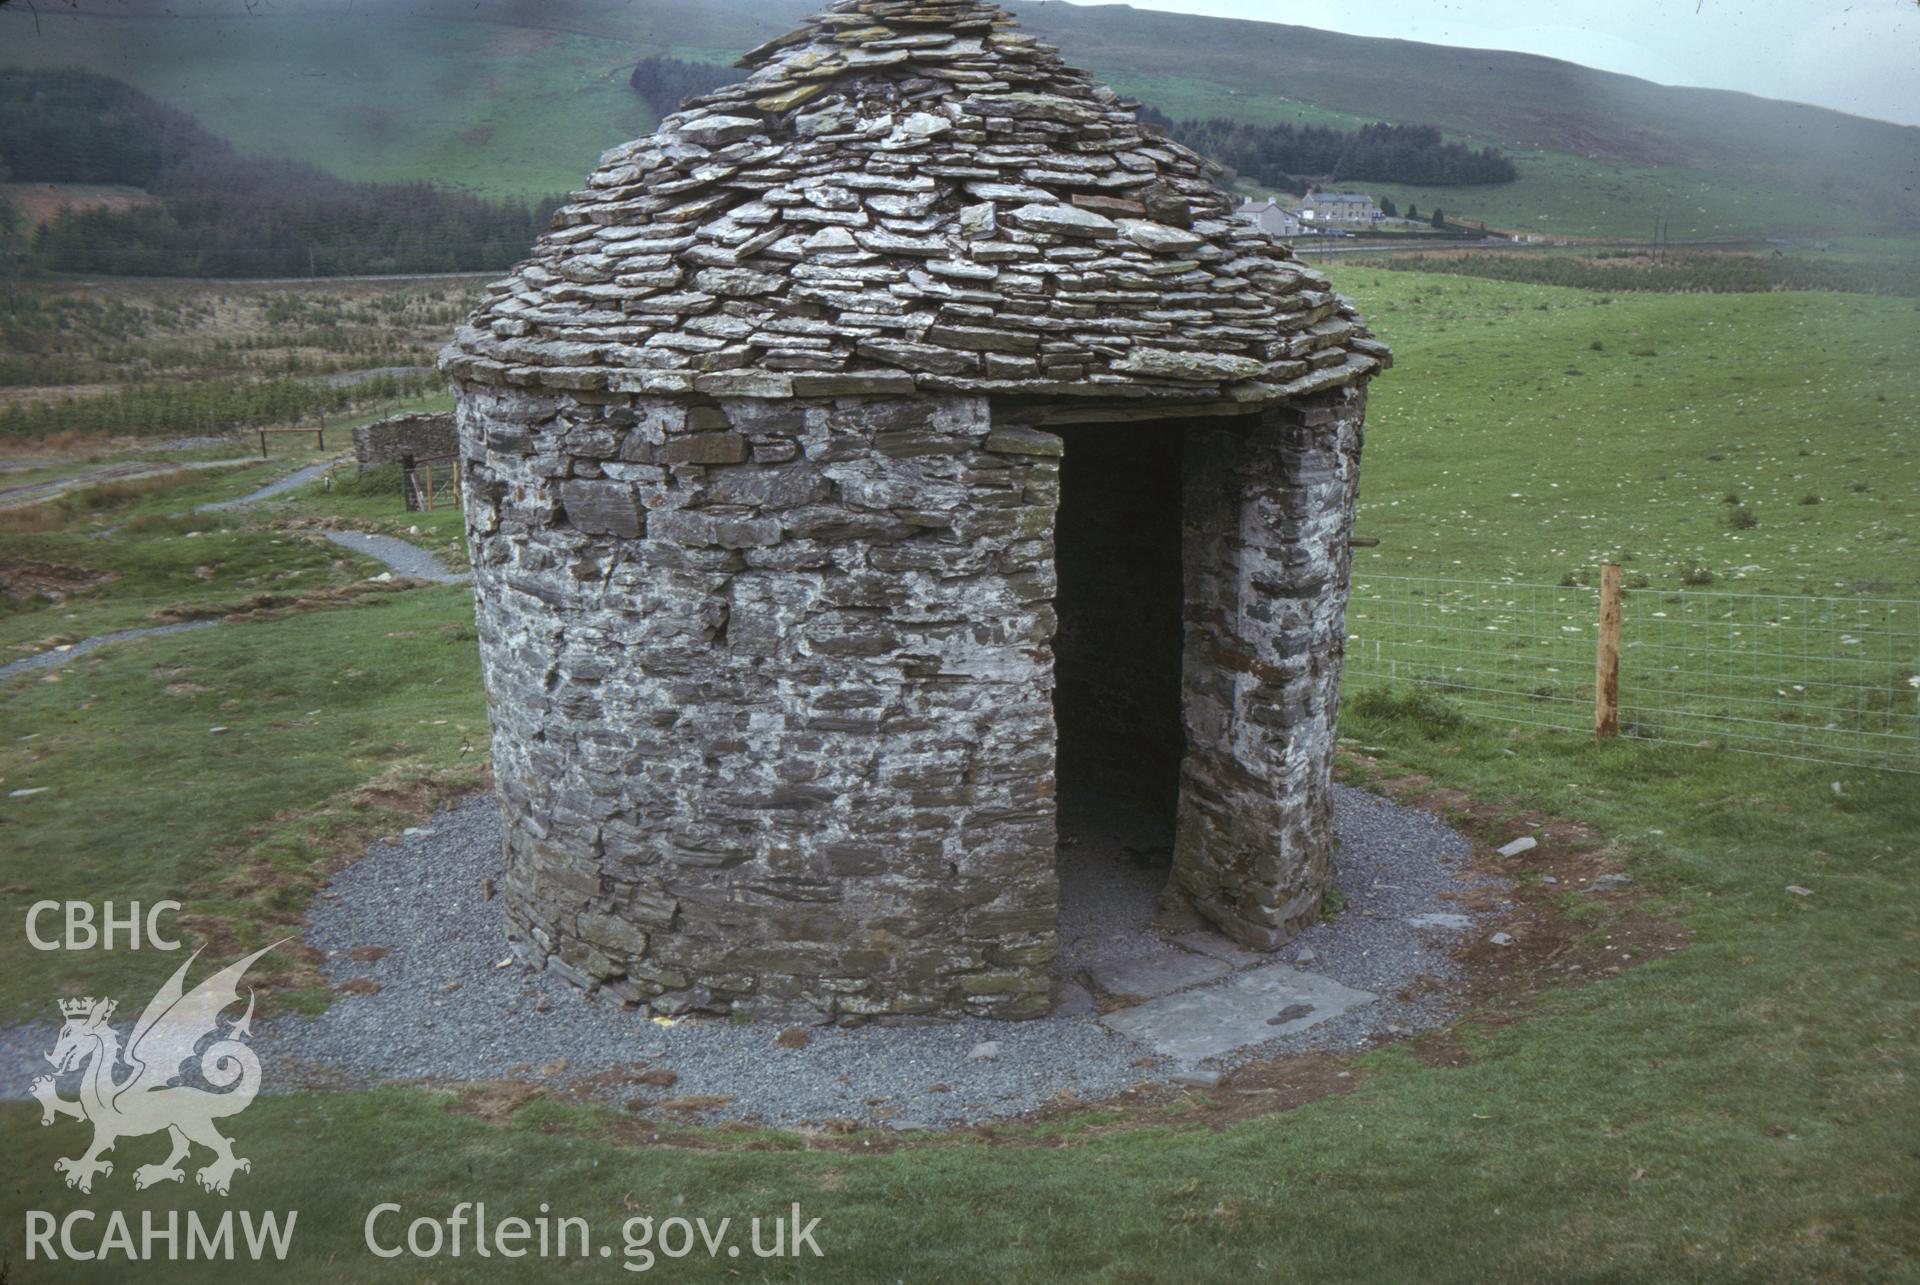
x: 1606, y: 678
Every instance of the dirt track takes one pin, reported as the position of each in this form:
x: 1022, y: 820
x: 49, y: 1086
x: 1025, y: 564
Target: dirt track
x: 18, y: 497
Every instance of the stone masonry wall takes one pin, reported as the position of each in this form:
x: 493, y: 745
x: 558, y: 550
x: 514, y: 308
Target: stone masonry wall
x: 423, y: 436
x: 1268, y: 512
x: 769, y: 692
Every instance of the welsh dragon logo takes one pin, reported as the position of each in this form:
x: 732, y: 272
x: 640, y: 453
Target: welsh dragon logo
x: 148, y: 1100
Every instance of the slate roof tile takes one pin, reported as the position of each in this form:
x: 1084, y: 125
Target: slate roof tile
x: 910, y: 193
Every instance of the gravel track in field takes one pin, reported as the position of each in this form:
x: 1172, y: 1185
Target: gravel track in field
x: 399, y: 557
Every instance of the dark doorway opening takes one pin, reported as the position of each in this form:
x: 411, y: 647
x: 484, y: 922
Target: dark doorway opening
x: 1117, y: 676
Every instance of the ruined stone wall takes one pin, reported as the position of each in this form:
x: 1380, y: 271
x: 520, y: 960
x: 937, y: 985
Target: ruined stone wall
x: 423, y: 436
x: 1268, y: 512
x: 769, y: 692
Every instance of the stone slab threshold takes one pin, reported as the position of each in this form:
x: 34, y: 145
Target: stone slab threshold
x: 1264, y: 1003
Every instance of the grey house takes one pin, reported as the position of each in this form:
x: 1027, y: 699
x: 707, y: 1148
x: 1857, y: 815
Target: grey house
x: 1342, y: 208
x: 894, y: 443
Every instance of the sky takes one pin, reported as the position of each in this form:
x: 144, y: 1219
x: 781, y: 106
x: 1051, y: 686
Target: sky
x: 1859, y: 56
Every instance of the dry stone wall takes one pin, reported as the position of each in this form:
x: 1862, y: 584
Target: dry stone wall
x: 769, y: 692
x: 1268, y: 513
x: 388, y: 441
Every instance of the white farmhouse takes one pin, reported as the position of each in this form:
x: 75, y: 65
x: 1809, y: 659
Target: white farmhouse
x: 1271, y: 217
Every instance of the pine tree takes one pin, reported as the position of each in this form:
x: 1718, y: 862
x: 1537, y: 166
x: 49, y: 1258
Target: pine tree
x: 1439, y: 219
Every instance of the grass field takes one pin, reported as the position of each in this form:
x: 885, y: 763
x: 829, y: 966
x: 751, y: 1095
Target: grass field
x: 1559, y: 194
x: 1738, y: 1110
x: 332, y: 699
x: 1526, y: 432
x: 335, y: 680
x: 1615, y: 269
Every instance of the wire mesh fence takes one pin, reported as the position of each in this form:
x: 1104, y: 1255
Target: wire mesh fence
x: 1830, y: 680
x: 429, y: 483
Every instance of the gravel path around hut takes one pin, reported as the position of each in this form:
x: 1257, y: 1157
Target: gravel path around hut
x: 453, y: 1005
x: 448, y: 1007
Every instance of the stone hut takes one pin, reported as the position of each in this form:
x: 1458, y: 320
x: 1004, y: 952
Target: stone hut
x: 896, y: 441
x: 402, y: 438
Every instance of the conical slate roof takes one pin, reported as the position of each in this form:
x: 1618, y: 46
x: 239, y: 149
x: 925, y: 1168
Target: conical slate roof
x: 910, y: 194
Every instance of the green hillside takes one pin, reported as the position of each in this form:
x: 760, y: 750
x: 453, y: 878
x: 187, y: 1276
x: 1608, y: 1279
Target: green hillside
x: 507, y: 98
x: 499, y: 110
x: 1598, y: 152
